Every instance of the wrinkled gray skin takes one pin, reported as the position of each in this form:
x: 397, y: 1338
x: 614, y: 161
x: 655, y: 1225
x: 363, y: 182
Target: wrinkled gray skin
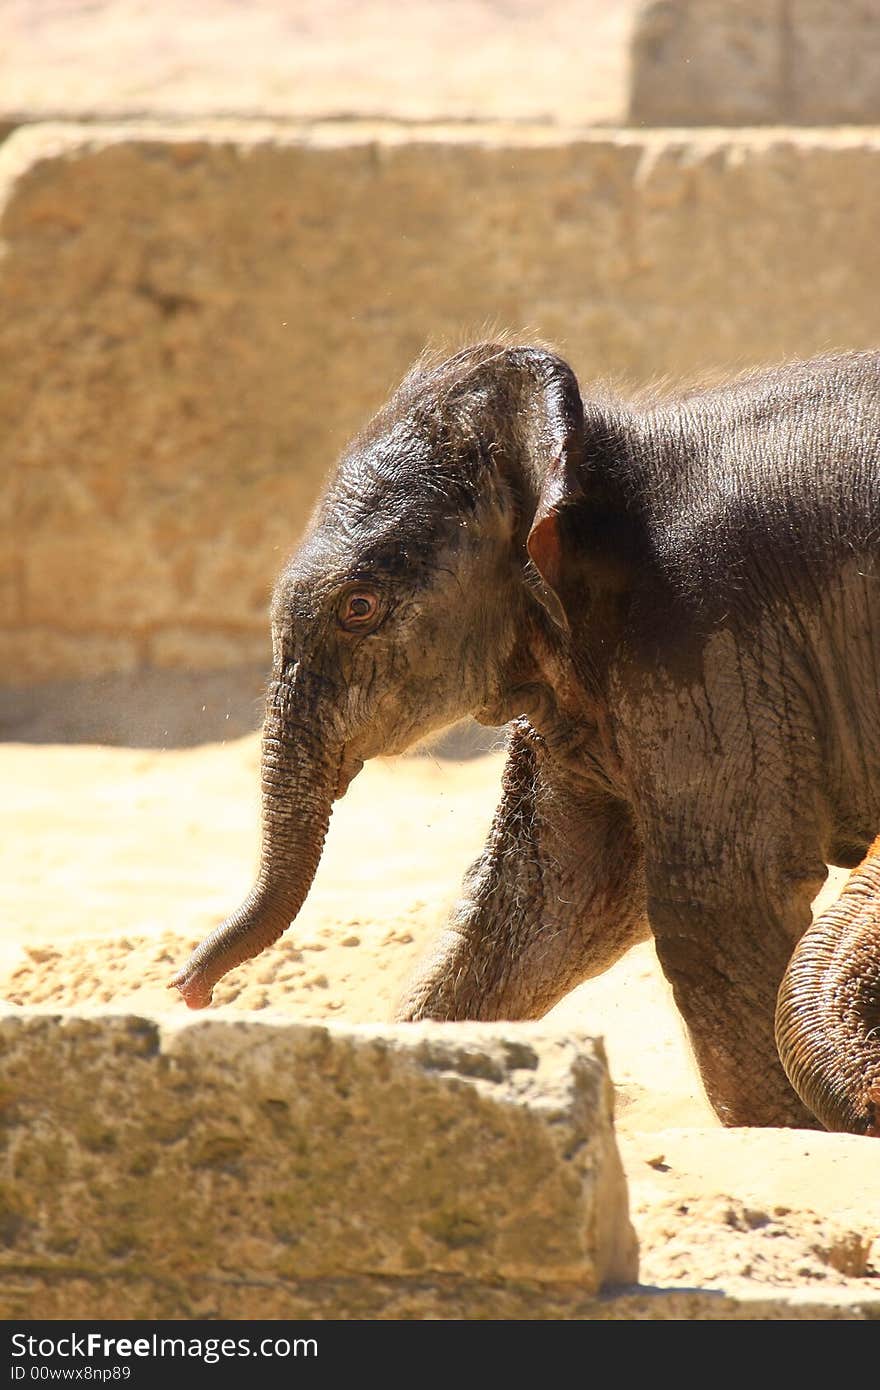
x: 678, y: 606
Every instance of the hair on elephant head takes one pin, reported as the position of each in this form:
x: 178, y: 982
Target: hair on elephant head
x: 656, y: 594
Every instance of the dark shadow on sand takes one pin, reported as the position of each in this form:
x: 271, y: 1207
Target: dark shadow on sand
x: 171, y: 709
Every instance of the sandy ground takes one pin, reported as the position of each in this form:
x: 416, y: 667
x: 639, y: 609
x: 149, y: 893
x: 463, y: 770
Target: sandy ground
x: 115, y: 861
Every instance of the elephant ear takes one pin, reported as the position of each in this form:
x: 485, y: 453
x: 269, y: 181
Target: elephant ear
x: 561, y: 489
x: 536, y: 392
x: 560, y: 452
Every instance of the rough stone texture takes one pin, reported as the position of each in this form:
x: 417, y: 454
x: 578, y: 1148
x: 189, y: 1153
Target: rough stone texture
x: 254, y: 1169
x: 195, y: 321
x: 267, y: 1169
x: 755, y: 62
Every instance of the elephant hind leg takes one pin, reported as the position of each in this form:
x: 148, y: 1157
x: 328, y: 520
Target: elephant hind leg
x: 724, y: 942
x: 828, y: 1011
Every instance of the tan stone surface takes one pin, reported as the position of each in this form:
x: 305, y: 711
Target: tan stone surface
x: 564, y: 62
x: 47, y: 653
x: 755, y: 62
x: 834, y: 67
x: 256, y: 1151
x: 706, y: 63
x: 559, y: 61
x: 195, y: 322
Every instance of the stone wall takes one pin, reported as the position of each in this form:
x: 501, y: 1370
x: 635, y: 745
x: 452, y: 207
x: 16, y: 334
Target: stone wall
x: 755, y: 62
x: 195, y: 320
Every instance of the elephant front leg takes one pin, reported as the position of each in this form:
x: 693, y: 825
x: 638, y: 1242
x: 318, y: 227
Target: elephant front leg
x: 556, y: 896
x: 725, y: 958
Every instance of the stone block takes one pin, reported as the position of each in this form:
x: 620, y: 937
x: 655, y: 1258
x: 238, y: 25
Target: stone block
x: 266, y: 1169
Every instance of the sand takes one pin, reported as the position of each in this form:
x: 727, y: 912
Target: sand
x: 114, y: 862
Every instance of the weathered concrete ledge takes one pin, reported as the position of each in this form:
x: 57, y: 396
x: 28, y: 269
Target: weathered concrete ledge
x: 196, y: 319
x: 262, y: 1169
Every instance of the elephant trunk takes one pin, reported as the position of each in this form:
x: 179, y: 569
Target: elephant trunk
x: 828, y: 1009
x: 300, y: 780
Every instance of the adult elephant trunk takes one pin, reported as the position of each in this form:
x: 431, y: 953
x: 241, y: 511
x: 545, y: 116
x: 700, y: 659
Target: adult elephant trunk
x: 828, y: 1009
x: 301, y: 777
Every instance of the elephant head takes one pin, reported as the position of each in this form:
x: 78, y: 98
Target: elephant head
x: 431, y: 554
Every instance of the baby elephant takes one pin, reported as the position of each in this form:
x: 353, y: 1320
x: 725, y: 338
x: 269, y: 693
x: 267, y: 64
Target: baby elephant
x: 677, y: 603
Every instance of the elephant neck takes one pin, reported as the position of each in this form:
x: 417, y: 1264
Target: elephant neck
x: 542, y: 681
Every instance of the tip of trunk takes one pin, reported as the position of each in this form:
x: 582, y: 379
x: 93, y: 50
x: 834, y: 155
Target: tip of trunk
x: 194, y: 991
x: 257, y: 924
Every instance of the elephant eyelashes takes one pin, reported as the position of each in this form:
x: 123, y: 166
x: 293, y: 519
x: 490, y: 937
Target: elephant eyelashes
x: 358, y: 610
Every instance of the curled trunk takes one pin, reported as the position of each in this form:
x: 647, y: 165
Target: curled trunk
x: 828, y: 1011
x: 300, y: 779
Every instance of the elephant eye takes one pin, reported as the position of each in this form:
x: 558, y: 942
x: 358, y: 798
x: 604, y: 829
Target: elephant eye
x: 358, y: 610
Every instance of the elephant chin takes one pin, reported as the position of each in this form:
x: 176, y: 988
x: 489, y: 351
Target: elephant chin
x: 348, y: 770
x: 301, y: 778
x: 828, y: 1009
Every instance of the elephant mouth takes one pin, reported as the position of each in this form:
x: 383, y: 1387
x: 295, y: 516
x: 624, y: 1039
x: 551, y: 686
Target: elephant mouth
x: 349, y: 768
